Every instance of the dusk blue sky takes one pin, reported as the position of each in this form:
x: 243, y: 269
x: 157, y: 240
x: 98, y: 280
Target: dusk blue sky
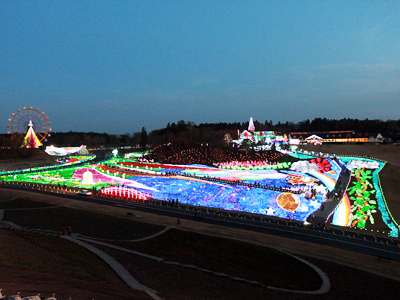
x: 118, y: 66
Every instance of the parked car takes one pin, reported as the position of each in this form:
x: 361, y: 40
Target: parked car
x: 85, y: 193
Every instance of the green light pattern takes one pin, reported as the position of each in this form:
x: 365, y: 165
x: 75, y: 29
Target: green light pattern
x: 363, y: 206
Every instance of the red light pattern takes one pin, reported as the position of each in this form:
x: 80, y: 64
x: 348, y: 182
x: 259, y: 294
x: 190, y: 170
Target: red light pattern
x: 124, y: 193
x: 322, y: 163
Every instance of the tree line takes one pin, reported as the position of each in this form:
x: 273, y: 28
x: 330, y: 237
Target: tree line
x: 183, y: 133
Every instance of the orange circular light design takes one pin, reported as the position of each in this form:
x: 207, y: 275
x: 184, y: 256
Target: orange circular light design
x: 288, y: 201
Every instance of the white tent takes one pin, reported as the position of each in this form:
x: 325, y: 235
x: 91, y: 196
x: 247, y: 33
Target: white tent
x: 62, y: 151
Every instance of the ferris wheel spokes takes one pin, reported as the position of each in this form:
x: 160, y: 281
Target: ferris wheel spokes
x: 29, y: 117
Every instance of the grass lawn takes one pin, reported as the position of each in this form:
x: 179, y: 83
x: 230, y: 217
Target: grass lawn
x: 23, y: 203
x: 4, y: 197
x: 231, y: 257
x: 83, y: 222
x: 52, y: 255
x: 33, y: 263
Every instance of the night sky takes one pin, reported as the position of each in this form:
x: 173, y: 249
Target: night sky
x: 118, y: 66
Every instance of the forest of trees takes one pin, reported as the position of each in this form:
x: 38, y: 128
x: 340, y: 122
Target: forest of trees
x: 184, y: 134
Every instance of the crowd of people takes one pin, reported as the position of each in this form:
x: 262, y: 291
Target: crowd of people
x: 210, y: 155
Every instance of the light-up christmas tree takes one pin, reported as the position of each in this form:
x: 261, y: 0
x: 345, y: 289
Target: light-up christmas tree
x: 31, y: 140
x: 252, y: 128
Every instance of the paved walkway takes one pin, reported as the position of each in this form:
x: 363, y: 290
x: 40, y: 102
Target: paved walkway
x: 322, y: 215
x: 326, y: 283
x: 131, y: 241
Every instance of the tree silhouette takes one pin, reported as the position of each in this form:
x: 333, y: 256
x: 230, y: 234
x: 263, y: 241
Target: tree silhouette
x: 143, y: 139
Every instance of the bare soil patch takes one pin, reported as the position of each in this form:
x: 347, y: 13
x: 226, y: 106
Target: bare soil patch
x: 390, y: 183
x: 387, y: 152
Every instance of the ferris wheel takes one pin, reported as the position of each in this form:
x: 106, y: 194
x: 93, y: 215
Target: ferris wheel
x: 29, y: 116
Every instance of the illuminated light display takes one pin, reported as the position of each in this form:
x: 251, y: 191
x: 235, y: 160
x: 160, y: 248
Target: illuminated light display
x: 288, y: 201
x: 270, y: 211
x: 303, y: 166
x: 87, y: 178
x: 314, y: 139
x: 74, y: 159
x: 251, y: 128
x: 57, y: 168
x: 322, y: 163
x: 329, y: 137
x: 326, y: 178
x: 197, y: 180
x: 26, y: 118
x: 253, y: 165
x: 386, y: 215
x: 356, y: 208
x: 341, y: 216
x: 31, y: 140
x: 135, y: 154
x: 104, y: 178
x: 124, y: 193
x: 363, y: 207
x: 230, y: 196
x: 348, y: 140
x: 63, y: 151
x: 157, y: 166
x: 358, y: 164
x: 283, y: 193
x: 266, y: 138
x: 258, y: 137
x: 295, y: 179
